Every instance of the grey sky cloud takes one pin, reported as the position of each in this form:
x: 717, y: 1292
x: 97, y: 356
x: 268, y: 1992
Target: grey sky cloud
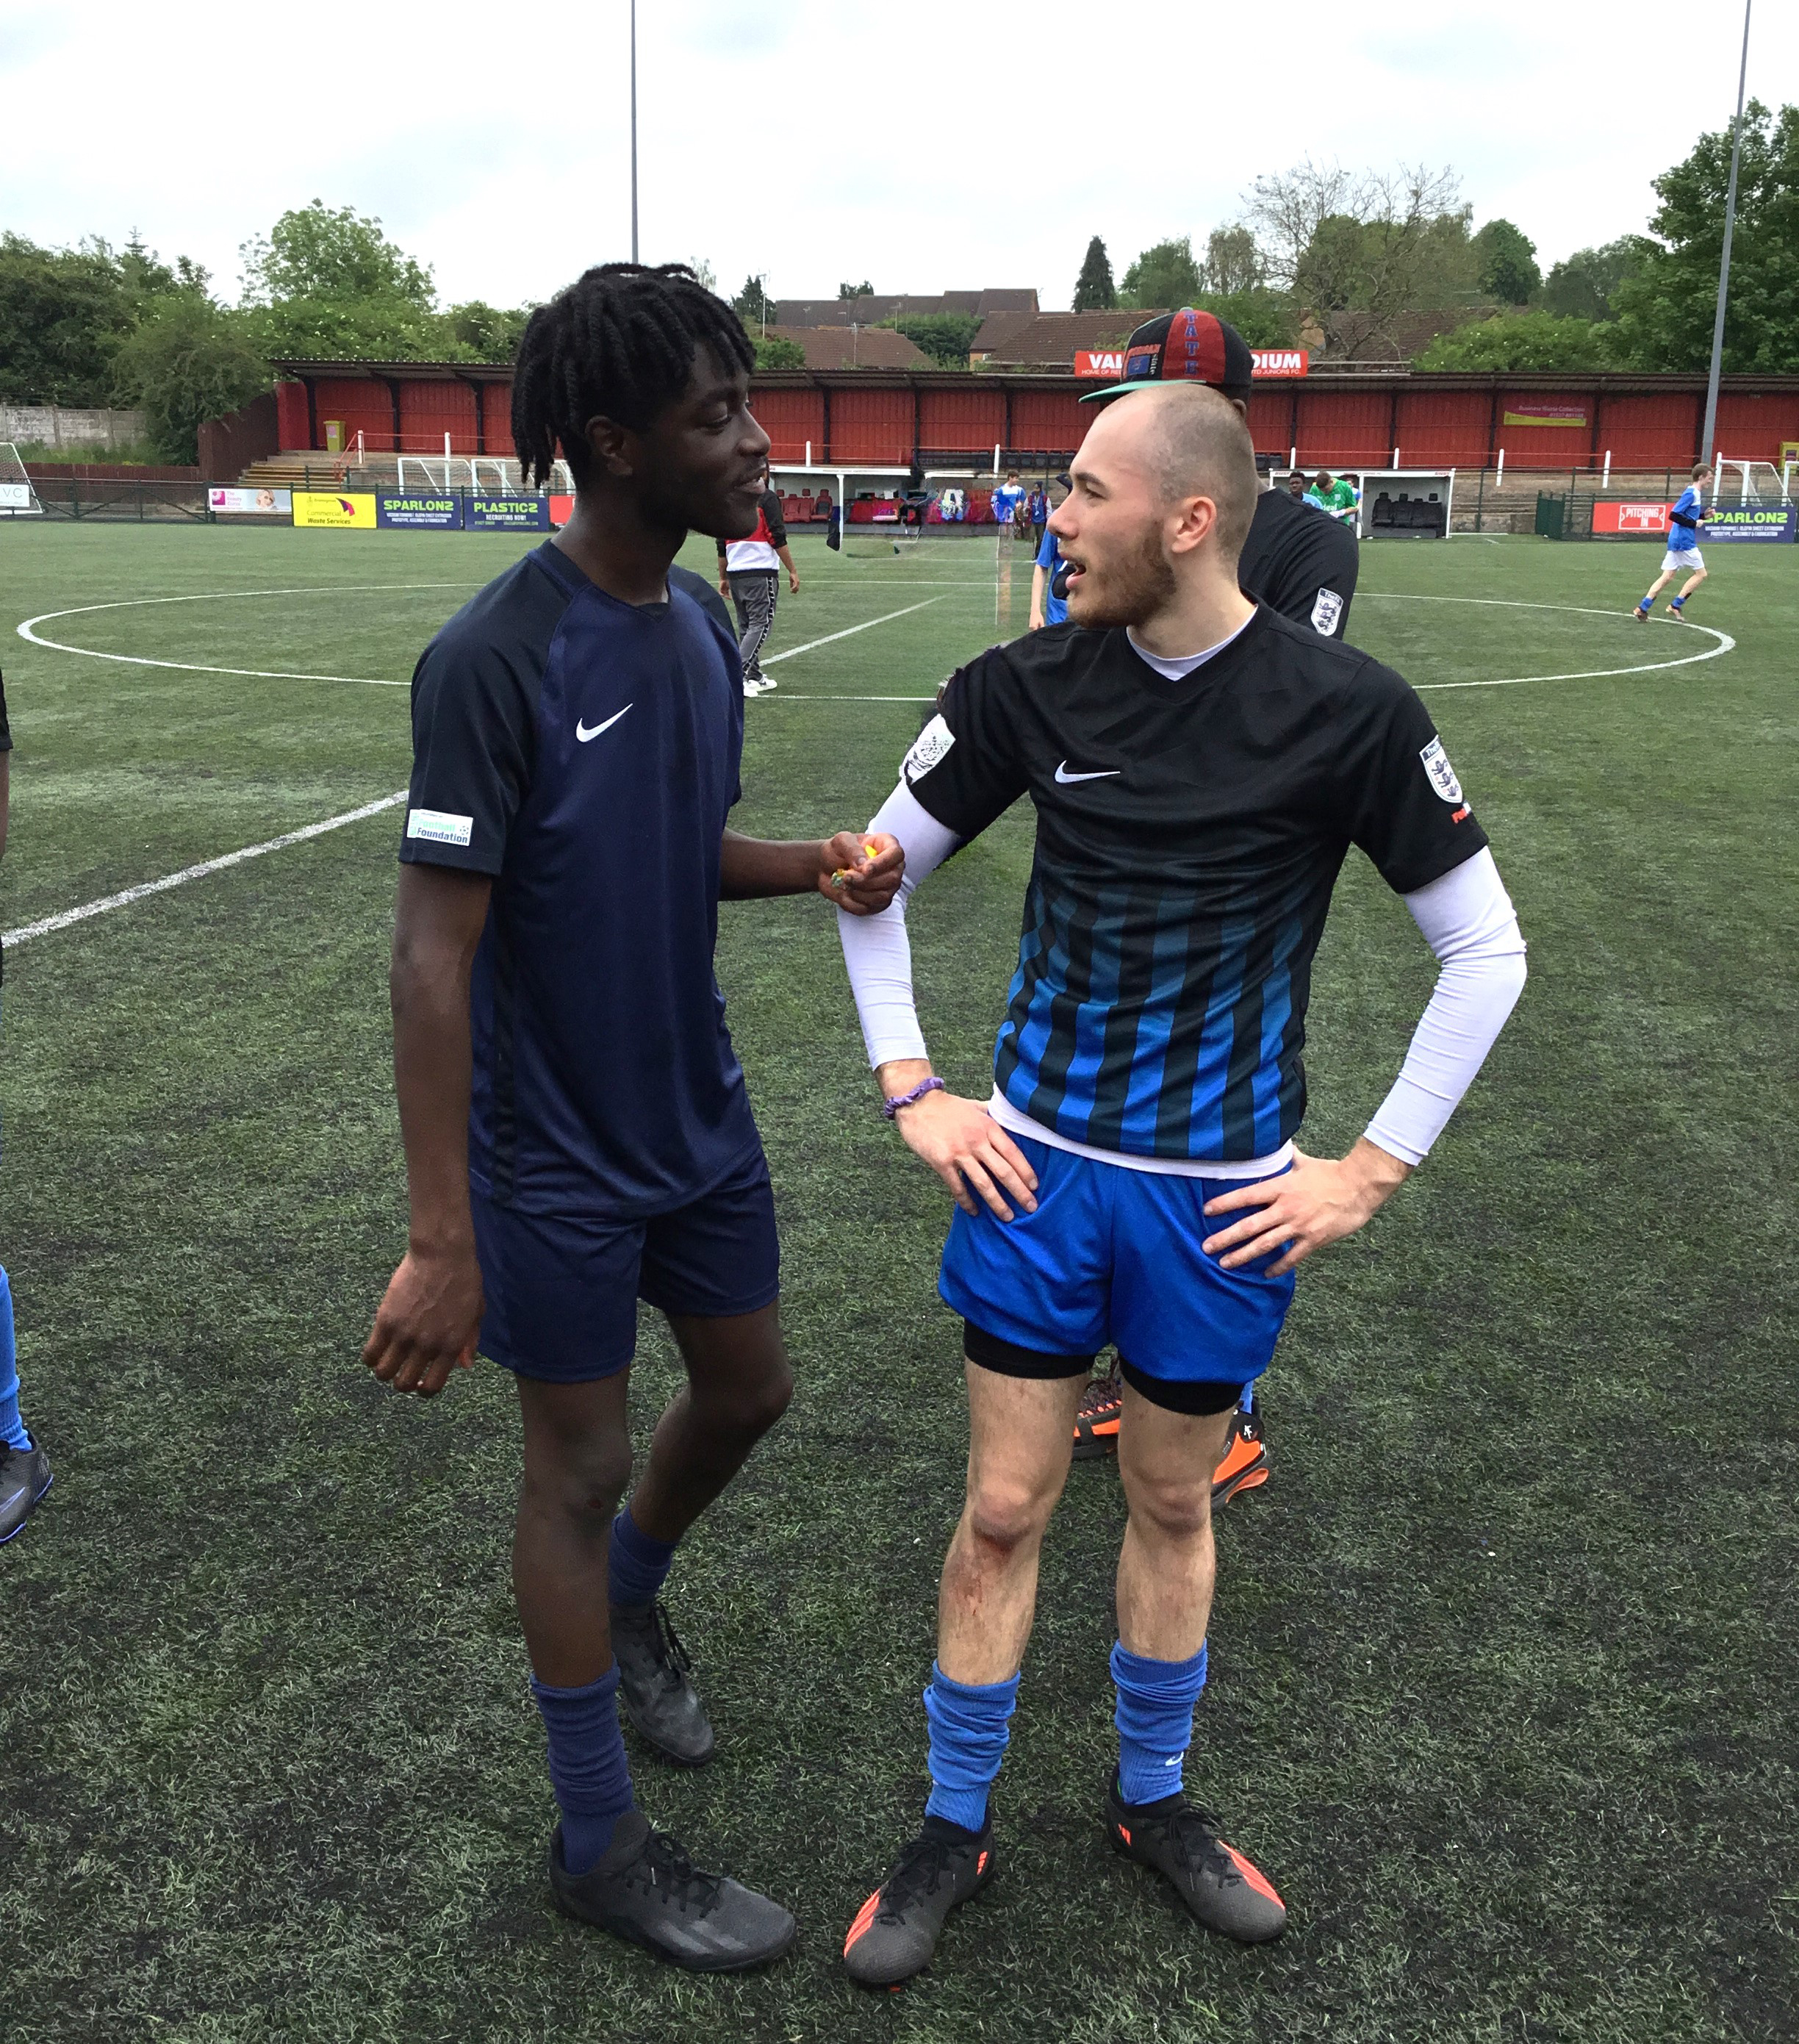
x: 931, y: 147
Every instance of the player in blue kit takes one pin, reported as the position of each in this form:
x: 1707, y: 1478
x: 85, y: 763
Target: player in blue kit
x: 1683, y: 556
x: 577, y: 1132
x: 1199, y: 767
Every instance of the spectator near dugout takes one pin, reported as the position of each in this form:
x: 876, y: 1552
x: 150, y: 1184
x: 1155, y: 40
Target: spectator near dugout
x: 1336, y: 496
x: 749, y: 574
x: 1037, y: 514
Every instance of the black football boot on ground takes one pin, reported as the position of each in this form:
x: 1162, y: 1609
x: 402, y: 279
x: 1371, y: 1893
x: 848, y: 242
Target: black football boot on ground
x: 1221, y: 1889
x: 645, y: 1889
x: 659, y: 1699
x: 24, y: 1476
x: 896, y: 1929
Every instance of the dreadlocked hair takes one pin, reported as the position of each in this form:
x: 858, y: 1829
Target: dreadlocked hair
x: 618, y: 343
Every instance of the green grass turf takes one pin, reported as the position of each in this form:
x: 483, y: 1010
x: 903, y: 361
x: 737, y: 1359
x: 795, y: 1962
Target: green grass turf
x: 1505, y: 1663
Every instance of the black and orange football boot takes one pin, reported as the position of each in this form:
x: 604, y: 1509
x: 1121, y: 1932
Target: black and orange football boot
x: 896, y: 1929
x: 1244, y: 1463
x: 1096, y: 1424
x: 1220, y: 1889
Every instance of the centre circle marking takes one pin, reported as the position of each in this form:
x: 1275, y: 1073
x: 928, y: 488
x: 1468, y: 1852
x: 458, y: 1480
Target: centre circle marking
x: 27, y: 631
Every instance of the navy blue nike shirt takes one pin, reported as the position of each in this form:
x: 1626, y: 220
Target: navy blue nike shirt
x: 585, y: 752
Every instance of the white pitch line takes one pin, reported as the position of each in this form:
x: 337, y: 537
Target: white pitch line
x: 226, y: 596
x: 778, y: 697
x: 1726, y: 644
x: 831, y: 637
x: 62, y: 920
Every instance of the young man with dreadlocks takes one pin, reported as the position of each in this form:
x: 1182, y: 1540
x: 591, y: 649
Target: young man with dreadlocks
x: 577, y: 1133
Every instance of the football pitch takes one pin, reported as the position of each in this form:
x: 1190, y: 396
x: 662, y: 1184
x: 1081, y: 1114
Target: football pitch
x: 1505, y: 1689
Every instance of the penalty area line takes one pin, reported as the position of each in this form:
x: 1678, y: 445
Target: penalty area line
x: 127, y: 896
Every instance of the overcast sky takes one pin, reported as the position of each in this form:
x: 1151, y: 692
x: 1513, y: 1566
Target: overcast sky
x: 925, y: 147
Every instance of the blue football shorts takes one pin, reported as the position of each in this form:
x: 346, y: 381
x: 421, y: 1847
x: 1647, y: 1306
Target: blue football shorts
x: 1113, y: 1255
x: 562, y: 1289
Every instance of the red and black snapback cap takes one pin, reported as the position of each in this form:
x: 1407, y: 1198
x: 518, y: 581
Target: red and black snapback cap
x: 1187, y: 347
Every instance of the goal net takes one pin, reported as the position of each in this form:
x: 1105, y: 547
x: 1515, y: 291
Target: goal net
x: 17, y: 498
x: 1754, y: 483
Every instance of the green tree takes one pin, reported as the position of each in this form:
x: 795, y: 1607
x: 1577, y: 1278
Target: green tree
x: 752, y: 304
x: 776, y: 351
x: 1522, y: 340
x: 946, y: 337
x: 1265, y: 318
x: 487, y: 333
x: 190, y: 360
x: 338, y: 255
x: 1093, y: 291
x: 1508, y: 264
x: 1164, y: 276
x: 62, y: 315
x: 1234, y: 263
x: 1581, y: 286
x: 1665, y: 311
x: 862, y: 291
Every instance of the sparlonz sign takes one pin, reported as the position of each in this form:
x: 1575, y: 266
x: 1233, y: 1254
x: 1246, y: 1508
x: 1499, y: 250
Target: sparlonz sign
x: 1109, y: 362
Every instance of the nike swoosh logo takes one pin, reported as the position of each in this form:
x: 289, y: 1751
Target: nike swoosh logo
x: 588, y: 732
x: 1105, y: 773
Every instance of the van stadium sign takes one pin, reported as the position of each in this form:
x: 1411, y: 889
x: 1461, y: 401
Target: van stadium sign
x: 1269, y: 361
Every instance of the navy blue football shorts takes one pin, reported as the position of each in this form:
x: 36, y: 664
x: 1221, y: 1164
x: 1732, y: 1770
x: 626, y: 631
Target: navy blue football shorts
x: 1113, y: 1255
x: 562, y: 1289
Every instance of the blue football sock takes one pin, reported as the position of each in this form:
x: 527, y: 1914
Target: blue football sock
x: 968, y: 1733
x: 12, y: 1427
x: 1674, y: 602
x: 636, y: 1565
x: 588, y: 1768
x: 1155, y: 1721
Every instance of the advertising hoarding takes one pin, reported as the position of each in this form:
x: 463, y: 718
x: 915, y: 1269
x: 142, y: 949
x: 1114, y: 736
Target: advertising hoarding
x: 325, y: 510
x: 439, y: 511
x: 1766, y: 523
x: 1644, y: 521
x: 508, y: 514
x: 250, y: 503
x: 1269, y: 361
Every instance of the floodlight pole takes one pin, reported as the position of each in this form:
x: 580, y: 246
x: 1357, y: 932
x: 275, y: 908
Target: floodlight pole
x: 1705, y: 449
x: 634, y: 134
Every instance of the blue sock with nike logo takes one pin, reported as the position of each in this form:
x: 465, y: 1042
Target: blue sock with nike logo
x: 1155, y: 1721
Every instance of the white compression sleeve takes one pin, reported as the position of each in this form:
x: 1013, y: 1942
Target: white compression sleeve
x: 876, y: 948
x: 1469, y: 922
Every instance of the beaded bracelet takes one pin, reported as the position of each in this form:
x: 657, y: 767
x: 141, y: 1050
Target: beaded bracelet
x: 890, y: 1107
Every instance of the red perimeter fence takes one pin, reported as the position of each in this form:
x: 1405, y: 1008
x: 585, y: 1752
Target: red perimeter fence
x: 880, y: 419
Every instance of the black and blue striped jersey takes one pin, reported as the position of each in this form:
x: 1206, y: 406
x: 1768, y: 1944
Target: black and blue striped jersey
x: 1189, y: 833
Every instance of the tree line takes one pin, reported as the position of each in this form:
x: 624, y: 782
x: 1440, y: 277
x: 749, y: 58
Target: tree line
x: 1364, y: 265
x: 1346, y: 263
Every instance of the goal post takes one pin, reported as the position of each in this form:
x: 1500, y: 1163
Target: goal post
x: 1753, y: 482
x: 18, y: 498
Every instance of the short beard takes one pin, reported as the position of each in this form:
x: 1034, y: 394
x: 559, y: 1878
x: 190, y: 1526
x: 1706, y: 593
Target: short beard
x: 1130, y: 594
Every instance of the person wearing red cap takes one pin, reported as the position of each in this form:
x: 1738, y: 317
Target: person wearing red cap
x: 1302, y: 563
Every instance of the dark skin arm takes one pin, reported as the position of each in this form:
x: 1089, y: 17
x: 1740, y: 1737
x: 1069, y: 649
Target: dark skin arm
x: 431, y: 1316
x: 6, y: 795
x: 853, y: 869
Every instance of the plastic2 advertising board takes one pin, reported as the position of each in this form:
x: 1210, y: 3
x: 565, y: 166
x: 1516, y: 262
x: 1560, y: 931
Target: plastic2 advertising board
x: 441, y: 511
x: 508, y: 514
x: 1765, y: 522
x: 324, y: 510
x: 1268, y: 362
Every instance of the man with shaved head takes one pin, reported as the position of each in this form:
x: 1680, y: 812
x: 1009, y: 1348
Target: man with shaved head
x: 1200, y: 766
